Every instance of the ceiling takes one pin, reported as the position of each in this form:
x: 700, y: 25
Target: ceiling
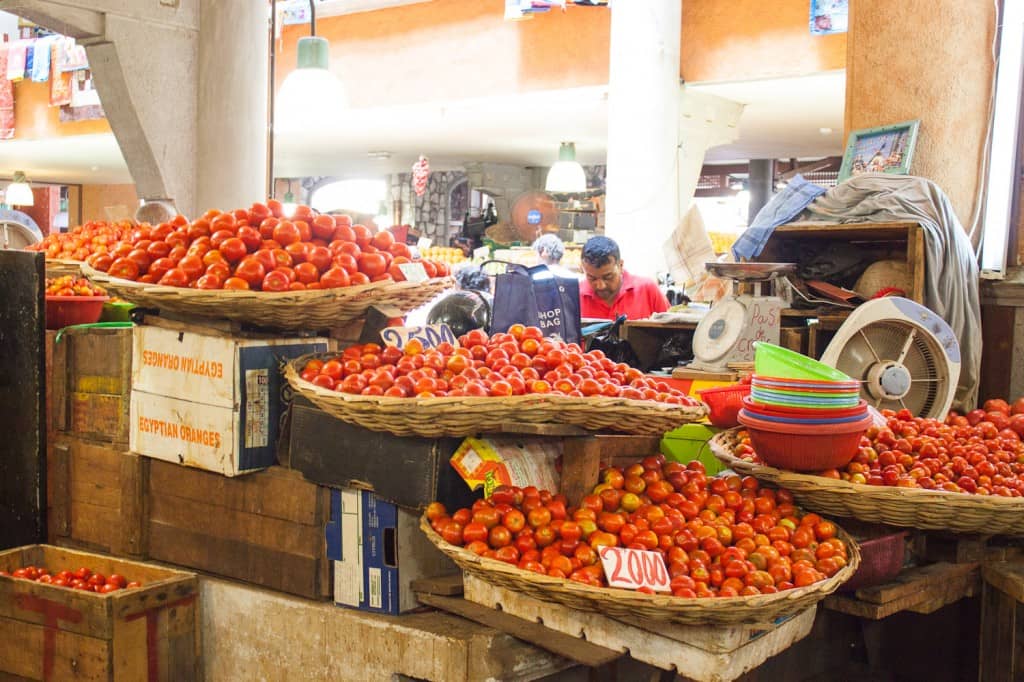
x: 783, y: 118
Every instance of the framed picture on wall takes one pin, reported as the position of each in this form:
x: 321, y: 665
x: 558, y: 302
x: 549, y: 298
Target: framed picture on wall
x: 886, y: 149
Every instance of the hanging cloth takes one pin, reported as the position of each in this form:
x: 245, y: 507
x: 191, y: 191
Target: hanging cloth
x: 40, y: 71
x: 16, y: 60
x: 6, y: 98
x: 60, y: 82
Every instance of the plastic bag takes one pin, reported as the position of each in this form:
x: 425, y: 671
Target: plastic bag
x: 616, y: 349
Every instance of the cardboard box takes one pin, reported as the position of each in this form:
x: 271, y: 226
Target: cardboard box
x: 212, y: 402
x: 408, y: 471
x: 378, y: 550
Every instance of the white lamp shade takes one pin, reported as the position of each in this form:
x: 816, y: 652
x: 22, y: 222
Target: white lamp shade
x: 309, y: 98
x: 566, y: 176
x: 19, y: 194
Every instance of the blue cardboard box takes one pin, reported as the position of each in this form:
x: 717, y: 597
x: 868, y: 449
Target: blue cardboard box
x: 378, y: 550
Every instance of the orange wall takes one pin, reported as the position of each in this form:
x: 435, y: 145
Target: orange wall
x: 747, y: 39
x: 454, y: 49
x: 34, y: 118
x: 96, y: 198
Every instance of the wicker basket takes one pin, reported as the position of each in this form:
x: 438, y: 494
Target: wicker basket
x: 466, y: 416
x: 56, y: 267
x: 629, y: 604
x: 318, y: 309
x: 904, y: 507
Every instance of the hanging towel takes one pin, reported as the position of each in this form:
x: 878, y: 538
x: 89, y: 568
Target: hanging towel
x: 16, y: 60
x: 60, y: 82
x: 40, y: 71
x: 781, y: 209
x: 6, y: 98
x: 29, y: 55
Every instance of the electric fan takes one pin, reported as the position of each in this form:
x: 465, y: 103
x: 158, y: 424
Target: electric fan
x: 904, y: 355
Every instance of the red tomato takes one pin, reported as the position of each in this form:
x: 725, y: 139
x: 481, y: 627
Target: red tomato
x: 335, y: 278
x: 306, y: 273
x: 275, y: 280
x: 383, y: 240
x: 320, y: 256
x: 372, y: 264
x: 236, y: 283
x: 363, y: 236
x: 124, y: 268
x: 251, y: 270
x: 233, y: 249
x: 285, y: 233
x: 175, y: 277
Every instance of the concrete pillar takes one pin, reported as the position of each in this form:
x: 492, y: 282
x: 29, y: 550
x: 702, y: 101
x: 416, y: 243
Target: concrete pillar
x: 642, y: 206
x: 760, y: 184
x: 184, y: 86
x: 944, y: 81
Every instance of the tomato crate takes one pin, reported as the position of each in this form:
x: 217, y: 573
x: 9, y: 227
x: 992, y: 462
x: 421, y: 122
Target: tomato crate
x: 57, y: 633
x: 95, y: 496
x: 89, y: 374
x: 266, y: 528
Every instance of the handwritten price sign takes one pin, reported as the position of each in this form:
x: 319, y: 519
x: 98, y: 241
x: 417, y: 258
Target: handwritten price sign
x: 634, y: 568
x: 431, y: 335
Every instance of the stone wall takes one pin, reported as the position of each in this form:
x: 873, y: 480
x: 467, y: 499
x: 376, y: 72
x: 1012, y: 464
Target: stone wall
x: 429, y: 213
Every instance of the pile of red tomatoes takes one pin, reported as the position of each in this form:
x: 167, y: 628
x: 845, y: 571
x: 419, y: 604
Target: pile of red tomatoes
x: 720, y: 537
x: 82, y: 241
x: 259, y: 249
x: 518, y: 362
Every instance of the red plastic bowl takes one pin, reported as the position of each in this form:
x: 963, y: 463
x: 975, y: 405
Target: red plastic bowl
x: 64, y: 311
x: 804, y: 448
x: 755, y: 408
x: 725, y: 403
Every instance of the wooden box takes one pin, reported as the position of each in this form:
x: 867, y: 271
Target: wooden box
x: 91, y: 375
x: 1001, y: 649
x: 95, y: 496
x: 266, y: 528
x: 56, y: 633
x: 700, y: 653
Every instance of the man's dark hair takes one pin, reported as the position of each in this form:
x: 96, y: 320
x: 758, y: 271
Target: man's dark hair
x: 599, y: 251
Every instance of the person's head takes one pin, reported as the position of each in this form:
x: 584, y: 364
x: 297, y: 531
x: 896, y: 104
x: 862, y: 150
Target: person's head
x: 550, y: 248
x: 473, y: 277
x: 602, y: 266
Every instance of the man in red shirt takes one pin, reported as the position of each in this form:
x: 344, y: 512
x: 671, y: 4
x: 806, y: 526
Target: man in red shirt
x: 608, y: 291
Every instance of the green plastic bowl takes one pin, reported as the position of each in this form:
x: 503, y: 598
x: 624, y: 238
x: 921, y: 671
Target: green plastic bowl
x: 119, y: 311
x: 776, y: 361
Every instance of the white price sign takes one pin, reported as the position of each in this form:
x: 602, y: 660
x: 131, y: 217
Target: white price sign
x: 414, y: 272
x: 634, y: 568
x: 431, y: 336
x: 481, y: 252
x: 423, y: 243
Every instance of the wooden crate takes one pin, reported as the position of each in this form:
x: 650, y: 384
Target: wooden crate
x: 701, y: 653
x: 91, y: 383
x: 56, y: 633
x: 95, y: 496
x: 266, y: 528
x: 1001, y: 654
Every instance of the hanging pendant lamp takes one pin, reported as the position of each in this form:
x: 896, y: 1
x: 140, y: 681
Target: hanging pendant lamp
x: 567, y: 174
x: 311, y: 95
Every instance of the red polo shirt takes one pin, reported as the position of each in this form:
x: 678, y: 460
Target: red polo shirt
x: 637, y: 299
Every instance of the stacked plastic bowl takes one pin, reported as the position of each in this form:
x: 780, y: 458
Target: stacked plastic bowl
x: 802, y: 415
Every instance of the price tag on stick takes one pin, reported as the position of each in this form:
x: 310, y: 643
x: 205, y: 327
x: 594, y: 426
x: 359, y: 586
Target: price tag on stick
x: 431, y: 335
x: 414, y: 272
x: 634, y: 568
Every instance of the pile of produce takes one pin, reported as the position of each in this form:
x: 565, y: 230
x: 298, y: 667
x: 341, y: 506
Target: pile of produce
x: 980, y: 453
x: 82, y: 241
x: 258, y: 249
x: 81, y: 579
x: 720, y: 537
x: 519, y: 362
x: 67, y: 285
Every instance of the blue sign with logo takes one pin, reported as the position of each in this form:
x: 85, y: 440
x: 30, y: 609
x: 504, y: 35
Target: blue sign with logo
x: 533, y: 217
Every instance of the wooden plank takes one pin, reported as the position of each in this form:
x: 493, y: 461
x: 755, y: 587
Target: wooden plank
x: 266, y: 566
x: 1008, y: 578
x: 94, y: 525
x: 917, y: 261
x: 48, y: 555
x: 581, y: 466
x: 445, y: 585
x: 685, y: 374
x: 873, y: 231
x: 996, y: 646
x: 615, y: 446
x: 99, y: 416
x: 275, y: 493
x: 59, y: 393
x: 950, y: 592
x: 913, y: 580
x: 534, y: 429
x: 570, y: 647
x: 933, y: 594
x: 74, y: 656
x: 96, y: 479
x: 58, y: 487
x: 936, y: 546
x: 100, y: 360
x: 131, y: 540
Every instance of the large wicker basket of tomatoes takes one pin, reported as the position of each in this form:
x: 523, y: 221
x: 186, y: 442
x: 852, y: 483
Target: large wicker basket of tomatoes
x: 735, y: 552
x: 517, y: 376
x: 912, y: 472
x: 254, y: 266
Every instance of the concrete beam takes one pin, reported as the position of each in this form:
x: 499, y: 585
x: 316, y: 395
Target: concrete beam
x: 78, y: 22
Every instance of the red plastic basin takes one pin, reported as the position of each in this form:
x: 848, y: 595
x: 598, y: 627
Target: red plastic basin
x: 755, y: 408
x: 64, y: 311
x: 724, y: 403
x: 804, y: 448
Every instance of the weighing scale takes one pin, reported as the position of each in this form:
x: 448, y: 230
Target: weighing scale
x: 727, y: 333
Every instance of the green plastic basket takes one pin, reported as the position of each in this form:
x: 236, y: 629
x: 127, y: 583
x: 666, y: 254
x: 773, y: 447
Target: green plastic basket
x: 776, y: 361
